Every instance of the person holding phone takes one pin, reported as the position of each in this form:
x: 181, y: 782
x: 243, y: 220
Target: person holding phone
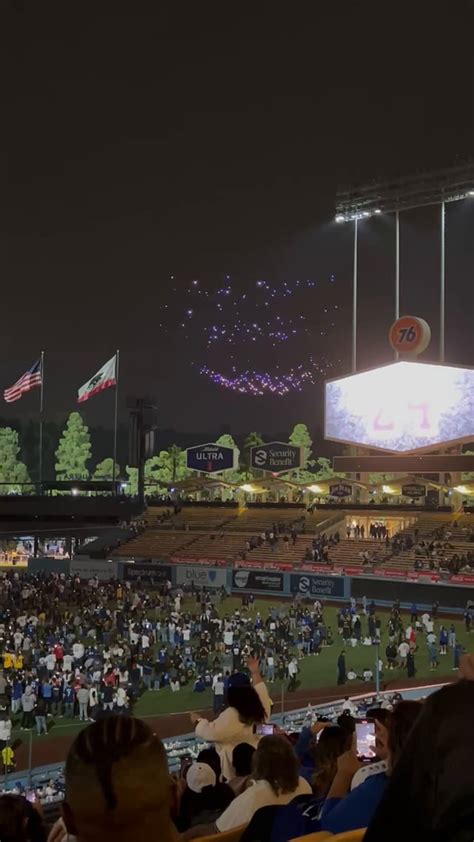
x: 345, y: 810
x: 248, y: 704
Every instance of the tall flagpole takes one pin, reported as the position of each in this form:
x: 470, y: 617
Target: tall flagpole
x: 117, y: 364
x: 41, y: 424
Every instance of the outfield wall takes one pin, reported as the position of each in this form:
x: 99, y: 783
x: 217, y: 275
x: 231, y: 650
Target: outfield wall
x: 271, y: 582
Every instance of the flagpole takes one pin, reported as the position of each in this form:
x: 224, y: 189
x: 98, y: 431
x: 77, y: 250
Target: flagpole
x: 41, y: 425
x: 117, y: 363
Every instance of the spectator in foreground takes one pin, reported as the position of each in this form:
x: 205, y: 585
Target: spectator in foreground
x: 19, y: 821
x: 344, y: 810
x: 204, y: 797
x: 275, y: 769
x: 434, y: 778
x: 118, y: 786
x: 247, y: 706
x: 242, y: 757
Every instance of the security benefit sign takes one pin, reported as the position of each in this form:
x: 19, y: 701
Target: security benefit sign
x: 413, y: 490
x: 203, y: 577
x: 276, y: 457
x: 331, y: 586
x: 211, y: 458
x: 340, y: 489
x: 257, y: 580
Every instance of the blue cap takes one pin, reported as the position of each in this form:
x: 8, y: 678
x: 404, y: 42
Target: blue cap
x: 239, y: 679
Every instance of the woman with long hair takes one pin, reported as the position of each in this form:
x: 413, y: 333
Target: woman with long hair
x: 345, y: 810
x: 248, y: 705
x: 333, y: 742
x: 430, y: 796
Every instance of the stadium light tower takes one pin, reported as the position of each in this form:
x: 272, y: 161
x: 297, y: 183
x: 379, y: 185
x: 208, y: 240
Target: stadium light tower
x: 405, y: 193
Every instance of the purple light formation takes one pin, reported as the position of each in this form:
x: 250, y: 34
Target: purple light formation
x: 257, y: 338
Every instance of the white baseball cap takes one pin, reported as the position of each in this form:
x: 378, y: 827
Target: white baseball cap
x: 199, y: 776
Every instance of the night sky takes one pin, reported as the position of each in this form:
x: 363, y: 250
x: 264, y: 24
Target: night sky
x: 148, y: 151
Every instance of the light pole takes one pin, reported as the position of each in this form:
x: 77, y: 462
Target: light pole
x: 377, y: 672
x: 397, y: 269
x: 354, y: 299
x: 442, y: 285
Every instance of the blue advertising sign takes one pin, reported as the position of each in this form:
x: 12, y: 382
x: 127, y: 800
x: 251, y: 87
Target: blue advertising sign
x: 314, y: 585
x: 211, y: 458
x: 276, y: 457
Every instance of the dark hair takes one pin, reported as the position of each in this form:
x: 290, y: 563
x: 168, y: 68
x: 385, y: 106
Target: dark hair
x: 106, y: 742
x: 247, y: 703
x: 433, y: 777
x: 242, y: 757
x: 399, y: 725
x: 333, y: 742
x: 347, y: 722
x: 275, y: 762
x: 381, y: 715
x: 211, y: 757
x: 19, y: 821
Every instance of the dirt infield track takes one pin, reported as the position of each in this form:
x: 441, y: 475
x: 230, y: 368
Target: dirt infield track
x: 53, y: 749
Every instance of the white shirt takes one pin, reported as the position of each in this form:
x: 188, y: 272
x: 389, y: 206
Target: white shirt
x: 50, y: 661
x: 292, y: 668
x: 242, y: 808
x: 403, y: 650
x: 78, y: 650
x: 67, y: 663
x: 227, y: 731
x: 372, y: 769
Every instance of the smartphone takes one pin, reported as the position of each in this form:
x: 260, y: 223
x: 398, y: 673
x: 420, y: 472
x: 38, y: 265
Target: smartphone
x: 365, y: 736
x: 265, y: 729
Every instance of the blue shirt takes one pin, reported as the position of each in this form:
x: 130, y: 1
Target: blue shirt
x: 356, y: 810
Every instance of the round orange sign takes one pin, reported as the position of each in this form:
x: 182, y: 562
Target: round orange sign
x: 410, y: 335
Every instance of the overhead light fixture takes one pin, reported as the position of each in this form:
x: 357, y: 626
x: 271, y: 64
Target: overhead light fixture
x: 340, y: 217
x: 471, y: 193
x: 377, y: 210
x: 365, y: 213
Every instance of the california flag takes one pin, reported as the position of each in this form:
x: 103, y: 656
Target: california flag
x: 105, y: 377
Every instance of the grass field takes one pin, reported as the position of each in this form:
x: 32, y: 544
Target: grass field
x: 316, y: 672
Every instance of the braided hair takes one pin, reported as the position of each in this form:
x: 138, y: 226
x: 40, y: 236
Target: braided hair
x: 105, y: 743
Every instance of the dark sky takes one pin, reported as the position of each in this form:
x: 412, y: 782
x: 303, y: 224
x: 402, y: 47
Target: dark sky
x: 208, y: 142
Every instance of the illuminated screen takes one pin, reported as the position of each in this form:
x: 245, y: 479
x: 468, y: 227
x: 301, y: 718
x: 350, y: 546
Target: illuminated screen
x: 403, y: 407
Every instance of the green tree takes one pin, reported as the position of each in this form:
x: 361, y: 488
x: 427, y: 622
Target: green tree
x: 132, y: 482
x: 252, y: 440
x: 168, y: 467
x: 324, y: 468
x: 105, y: 470
x: 74, y: 449
x: 231, y: 475
x: 12, y: 471
x: 300, y: 437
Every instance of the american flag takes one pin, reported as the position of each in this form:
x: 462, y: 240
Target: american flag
x: 31, y: 378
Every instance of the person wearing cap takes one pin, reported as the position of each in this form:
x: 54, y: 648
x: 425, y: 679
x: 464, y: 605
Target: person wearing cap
x: 204, y: 798
x: 248, y: 704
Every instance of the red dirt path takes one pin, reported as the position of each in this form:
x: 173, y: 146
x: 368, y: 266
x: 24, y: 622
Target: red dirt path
x: 54, y: 749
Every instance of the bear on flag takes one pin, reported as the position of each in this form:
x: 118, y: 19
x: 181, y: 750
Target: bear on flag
x: 105, y: 377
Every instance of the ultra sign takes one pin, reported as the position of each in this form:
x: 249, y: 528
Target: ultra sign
x: 211, y: 458
x: 276, y: 457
